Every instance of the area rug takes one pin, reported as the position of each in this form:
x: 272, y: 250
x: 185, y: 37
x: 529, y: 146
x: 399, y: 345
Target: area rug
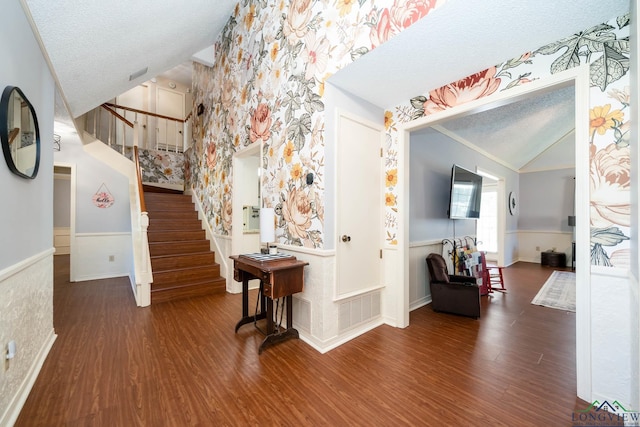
x: 559, y: 291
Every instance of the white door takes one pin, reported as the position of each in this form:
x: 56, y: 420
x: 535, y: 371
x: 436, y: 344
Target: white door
x: 359, y: 202
x: 170, y: 104
x: 137, y: 98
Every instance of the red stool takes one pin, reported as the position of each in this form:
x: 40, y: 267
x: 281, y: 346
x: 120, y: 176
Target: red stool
x: 492, y: 276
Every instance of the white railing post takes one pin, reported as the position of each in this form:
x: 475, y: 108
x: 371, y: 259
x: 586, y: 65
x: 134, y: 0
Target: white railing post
x: 135, y: 132
x: 112, y: 126
x: 94, y: 123
x: 185, y: 128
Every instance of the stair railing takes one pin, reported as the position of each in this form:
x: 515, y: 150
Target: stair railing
x: 171, y: 134
x: 143, y: 272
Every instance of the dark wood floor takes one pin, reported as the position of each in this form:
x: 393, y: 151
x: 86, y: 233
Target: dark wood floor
x: 180, y: 363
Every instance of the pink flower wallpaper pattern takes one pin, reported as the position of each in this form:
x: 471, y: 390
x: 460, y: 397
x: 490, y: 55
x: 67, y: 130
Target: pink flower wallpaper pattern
x: 267, y: 85
x: 606, y: 48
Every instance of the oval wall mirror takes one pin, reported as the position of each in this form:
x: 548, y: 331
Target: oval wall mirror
x: 19, y: 133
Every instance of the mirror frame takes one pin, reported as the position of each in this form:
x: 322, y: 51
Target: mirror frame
x: 4, y: 131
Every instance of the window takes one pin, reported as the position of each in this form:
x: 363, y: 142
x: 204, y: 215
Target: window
x: 488, y: 222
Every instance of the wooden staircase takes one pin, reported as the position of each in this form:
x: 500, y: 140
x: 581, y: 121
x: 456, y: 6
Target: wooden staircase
x: 181, y: 260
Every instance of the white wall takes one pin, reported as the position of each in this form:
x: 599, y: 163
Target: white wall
x: 93, y: 175
x: 26, y: 218
x: 546, y: 200
x: 101, y: 245
x: 432, y: 156
x: 610, y: 336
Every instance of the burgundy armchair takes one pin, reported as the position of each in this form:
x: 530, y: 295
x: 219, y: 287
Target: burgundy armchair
x: 452, y: 293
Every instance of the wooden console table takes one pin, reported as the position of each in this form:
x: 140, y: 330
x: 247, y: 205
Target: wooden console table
x: 280, y: 276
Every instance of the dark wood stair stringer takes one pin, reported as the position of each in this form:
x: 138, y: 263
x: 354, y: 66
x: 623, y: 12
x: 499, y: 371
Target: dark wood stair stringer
x: 182, y: 262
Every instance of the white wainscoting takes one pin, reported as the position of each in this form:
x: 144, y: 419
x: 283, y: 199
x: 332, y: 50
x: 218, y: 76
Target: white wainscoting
x: 26, y: 317
x: 419, y: 293
x: 529, y: 241
x: 62, y: 240
x: 94, y: 251
x: 611, y: 335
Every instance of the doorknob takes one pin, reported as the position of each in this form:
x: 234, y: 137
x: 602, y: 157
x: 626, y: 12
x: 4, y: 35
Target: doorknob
x: 346, y: 238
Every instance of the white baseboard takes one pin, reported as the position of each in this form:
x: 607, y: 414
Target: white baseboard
x: 325, y: 346
x: 420, y: 303
x: 13, y: 410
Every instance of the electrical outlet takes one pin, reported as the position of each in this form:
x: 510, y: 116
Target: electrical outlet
x: 538, y: 248
x: 11, y: 350
x: 112, y: 258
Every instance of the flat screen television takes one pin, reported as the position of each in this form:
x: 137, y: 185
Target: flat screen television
x: 465, y: 195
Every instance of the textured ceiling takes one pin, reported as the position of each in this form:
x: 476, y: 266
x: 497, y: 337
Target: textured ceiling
x: 94, y: 46
x: 522, y: 131
x: 462, y: 37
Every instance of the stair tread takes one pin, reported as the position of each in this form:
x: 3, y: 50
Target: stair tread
x: 177, y: 237
x: 191, y: 268
x: 217, y: 280
x: 190, y: 254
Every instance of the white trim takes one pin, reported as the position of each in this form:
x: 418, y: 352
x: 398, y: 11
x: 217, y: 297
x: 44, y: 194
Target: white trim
x: 425, y: 243
x: 72, y: 217
x: 349, y: 295
x: 543, y: 232
x: 582, y: 231
x: 238, y: 170
x: 578, y: 77
x: 339, y: 115
x: 470, y: 145
x: 303, y: 250
x: 24, y: 264
x: 103, y: 234
x: 12, y: 412
x: 420, y: 303
x: 548, y: 169
x: 211, y: 237
x: 324, y: 346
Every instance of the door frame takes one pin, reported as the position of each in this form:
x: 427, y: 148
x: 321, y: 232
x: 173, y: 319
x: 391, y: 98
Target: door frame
x: 239, y: 173
x: 579, y: 78
x: 502, y: 214
x: 72, y: 217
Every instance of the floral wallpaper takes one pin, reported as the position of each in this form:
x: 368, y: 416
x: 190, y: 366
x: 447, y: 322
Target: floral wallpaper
x: 163, y: 167
x: 267, y: 85
x: 606, y: 48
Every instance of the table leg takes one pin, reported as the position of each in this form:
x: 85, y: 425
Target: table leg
x: 245, y: 307
x: 269, y: 316
x: 289, y: 299
x: 279, y: 336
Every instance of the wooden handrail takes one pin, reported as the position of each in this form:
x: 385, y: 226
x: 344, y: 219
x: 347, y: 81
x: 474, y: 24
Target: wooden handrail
x: 143, y: 206
x: 144, y: 112
x: 115, y: 113
x: 12, y: 134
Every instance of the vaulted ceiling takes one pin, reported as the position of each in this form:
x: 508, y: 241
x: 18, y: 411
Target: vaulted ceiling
x: 96, y: 48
